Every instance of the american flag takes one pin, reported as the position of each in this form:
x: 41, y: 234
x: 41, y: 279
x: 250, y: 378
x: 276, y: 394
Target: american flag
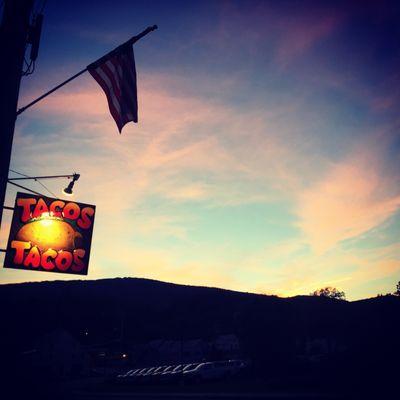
x: 116, y: 74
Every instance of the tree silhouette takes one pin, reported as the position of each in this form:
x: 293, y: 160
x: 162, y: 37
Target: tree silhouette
x: 397, y: 292
x: 329, y: 292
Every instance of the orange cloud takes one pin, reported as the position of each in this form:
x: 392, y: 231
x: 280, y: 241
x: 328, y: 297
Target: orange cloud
x: 289, y: 268
x: 354, y: 197
x: 235, y: 156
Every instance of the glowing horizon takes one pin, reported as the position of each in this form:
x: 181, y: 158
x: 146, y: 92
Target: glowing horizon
x: 266, y: 154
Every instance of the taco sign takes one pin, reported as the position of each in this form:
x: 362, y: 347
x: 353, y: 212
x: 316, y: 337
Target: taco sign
x: 50, y: 235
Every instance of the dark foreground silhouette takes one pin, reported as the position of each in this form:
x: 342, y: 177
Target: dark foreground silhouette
x: 59, y: 338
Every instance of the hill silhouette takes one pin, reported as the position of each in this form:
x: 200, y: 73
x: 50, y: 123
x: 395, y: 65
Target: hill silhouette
x: 275, y: 333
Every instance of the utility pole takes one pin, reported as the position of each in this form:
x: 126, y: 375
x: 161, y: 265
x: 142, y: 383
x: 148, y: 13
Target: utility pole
x: 15, y: 34
x: 13, y: 38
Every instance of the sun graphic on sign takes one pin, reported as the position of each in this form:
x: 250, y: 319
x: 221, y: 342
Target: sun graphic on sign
x: 50, y: 235
x: 48, y: 231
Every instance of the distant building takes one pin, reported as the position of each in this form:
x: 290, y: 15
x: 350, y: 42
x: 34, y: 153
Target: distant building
x: 195, y: 350
x: 317, y: 348
x: 227, y: 344
x: 171, y: 351
x: 59, y: 354
x: 162, y: 351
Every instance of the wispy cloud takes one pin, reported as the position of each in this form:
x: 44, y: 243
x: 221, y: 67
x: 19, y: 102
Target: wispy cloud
x: 290, y: 268
x: 355, y: 196
x: 300, y: 33
x: 224, y: 151
x: 239, y: 125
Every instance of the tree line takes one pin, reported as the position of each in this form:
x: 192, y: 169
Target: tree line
x: 334, y: 293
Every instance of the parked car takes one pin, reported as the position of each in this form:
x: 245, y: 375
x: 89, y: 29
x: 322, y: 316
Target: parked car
x: 168, y: 369
x: 146, y: 375
x: 177, y: 374
x: 135, y: 375
x: 216, y: 370
x: 189, y: 367
x: 122, y: 376
x: 238, y: 366
x: 160, y: 370
x: 168, y: 374
x: 137, y: 371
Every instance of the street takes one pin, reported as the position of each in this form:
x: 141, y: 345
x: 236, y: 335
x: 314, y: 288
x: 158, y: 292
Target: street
x: 208, y: 396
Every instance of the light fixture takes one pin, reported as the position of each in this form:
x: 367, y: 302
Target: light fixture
x: 68, y: 190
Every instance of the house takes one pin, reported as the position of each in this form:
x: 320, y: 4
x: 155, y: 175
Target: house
x: 59, y: 354
x: 166, y: 351
x: 226, y: 345
x: 162, y: 351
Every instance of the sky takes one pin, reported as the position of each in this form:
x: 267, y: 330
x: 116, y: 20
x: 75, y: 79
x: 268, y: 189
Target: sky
x: 266, y: 158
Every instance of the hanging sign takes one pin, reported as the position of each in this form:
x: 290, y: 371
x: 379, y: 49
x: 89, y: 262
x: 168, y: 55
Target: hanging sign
x: 50, y: 235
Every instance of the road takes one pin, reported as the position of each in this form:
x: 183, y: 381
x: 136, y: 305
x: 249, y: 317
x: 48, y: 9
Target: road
x: 205, y: 396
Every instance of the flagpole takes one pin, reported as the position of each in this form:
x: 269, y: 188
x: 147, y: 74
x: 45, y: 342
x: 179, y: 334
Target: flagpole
x: 132, y: 40
x: 22, y: 109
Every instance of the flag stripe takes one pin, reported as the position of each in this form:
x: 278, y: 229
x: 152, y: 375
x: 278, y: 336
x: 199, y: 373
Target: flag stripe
x: 117, y: 77
x: 129, y: 81
x: 110, y: 87
x: 113, y: 79
x: 114, y: 112
x: 131, y: 86
x: 109, y: 66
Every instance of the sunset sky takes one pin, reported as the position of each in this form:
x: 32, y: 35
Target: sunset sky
x: 267, y: 154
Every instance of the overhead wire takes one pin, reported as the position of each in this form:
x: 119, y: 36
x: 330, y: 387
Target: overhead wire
x: 19, y: 173
x: 45, y: 187
x: 36, y: 180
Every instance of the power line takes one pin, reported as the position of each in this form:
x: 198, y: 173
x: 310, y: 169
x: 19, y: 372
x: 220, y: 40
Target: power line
x: 37, y: 180
x: 19, y: 173
x: 54, y: 195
